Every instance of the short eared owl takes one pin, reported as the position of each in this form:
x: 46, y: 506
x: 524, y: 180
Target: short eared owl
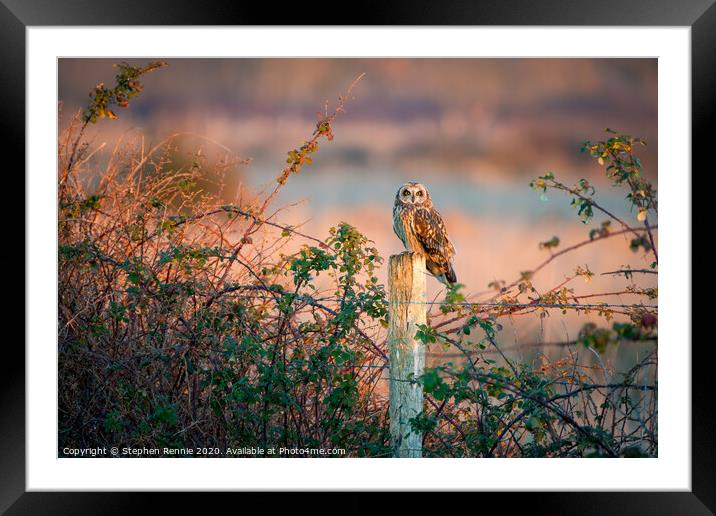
x: 421, y: 229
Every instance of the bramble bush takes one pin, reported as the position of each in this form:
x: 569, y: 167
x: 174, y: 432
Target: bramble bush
x: 485, y: 408
x: 183, y: 323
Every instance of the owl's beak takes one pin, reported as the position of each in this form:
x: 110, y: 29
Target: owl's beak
x: 412, y: 198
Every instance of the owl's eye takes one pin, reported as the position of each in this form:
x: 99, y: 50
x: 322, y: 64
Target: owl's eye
x: 406, y: 193
x: 420, y: 193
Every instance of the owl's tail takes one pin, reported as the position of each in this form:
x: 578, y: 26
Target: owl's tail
x: 450, y: 275
x: 444, y: 273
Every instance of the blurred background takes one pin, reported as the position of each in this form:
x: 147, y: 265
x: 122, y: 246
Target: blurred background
x: 474, y: 131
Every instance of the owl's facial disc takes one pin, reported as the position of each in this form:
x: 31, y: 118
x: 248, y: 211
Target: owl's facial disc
x: 412, y: 193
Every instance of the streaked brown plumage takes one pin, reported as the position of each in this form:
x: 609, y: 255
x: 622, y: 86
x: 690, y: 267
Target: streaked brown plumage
x: 422, y: 230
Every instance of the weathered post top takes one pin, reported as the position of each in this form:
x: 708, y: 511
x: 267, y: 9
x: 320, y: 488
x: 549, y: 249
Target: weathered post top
x: 407, y: 310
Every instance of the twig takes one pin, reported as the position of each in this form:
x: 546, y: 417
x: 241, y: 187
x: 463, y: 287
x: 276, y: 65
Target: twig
x: 629, y: 271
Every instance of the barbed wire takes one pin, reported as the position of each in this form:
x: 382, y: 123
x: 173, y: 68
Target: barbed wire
x: 302, y: 297
x: 644, y: 387
x: 528, y: 305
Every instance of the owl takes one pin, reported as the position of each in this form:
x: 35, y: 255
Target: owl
x: 421, y: 229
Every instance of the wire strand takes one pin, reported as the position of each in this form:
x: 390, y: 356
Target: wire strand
x: 300, y: 297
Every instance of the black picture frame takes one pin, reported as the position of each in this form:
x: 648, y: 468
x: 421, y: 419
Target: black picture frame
x: 17, y: 15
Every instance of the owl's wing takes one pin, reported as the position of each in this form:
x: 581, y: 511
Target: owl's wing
x: 431, y: 233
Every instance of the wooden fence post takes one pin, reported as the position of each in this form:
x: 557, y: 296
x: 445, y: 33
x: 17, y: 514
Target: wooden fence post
x: 407, y: 309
